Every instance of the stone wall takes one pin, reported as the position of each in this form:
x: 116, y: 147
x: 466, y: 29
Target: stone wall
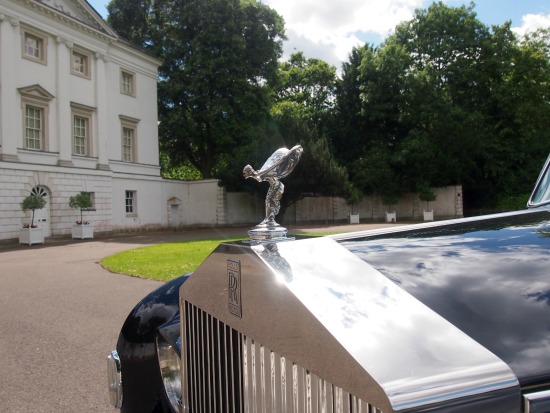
x: 16, y: 184
x: 164, y: 204
x: 245, y: 209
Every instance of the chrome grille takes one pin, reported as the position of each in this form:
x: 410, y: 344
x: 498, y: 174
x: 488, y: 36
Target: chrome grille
x: 225, y: 371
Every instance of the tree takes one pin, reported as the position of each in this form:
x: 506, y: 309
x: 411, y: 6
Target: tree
x: 446, y: 100
x: 348, y: 128
x: 182, y: 172
x: 131, y: 19
x: 80, y: 201
x: 304, y: 95
x: 305, y: 89
x: 219, y: 58
x: 519, y: 133
x: 426, y: 194
x: 446, y: 84
x: 31, y: 203
x: 375, y: 174
x: 304, y: 101
x: 317, y: 173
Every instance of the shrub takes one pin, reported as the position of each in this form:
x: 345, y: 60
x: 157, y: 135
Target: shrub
x: 80, y: 201
x: 32, y: 202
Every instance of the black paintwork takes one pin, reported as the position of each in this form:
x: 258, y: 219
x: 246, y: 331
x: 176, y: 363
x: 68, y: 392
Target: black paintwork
x: 489, y: 277
x: 142, y: 385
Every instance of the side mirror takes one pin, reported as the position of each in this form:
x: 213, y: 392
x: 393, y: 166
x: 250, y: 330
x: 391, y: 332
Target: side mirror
x: 541, y: 193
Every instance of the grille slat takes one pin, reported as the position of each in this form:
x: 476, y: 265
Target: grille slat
x: 226, y: 371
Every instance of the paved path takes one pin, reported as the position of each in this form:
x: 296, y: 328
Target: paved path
x: 61, y: 312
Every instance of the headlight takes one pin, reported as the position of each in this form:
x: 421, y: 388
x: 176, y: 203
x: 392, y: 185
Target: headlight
x: 115, y: 379
x: 170, y: 371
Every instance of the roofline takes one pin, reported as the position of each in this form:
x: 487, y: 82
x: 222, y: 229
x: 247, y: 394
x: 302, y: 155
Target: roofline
x: 109, y: 35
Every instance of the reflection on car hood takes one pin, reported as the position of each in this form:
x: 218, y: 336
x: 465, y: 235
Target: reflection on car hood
x: 488, y: 277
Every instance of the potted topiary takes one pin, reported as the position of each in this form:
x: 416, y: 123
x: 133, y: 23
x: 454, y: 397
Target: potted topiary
x: 426, y: 194
x: 353, y: 197
x: 81, y: 229
x: 30, y: 233
x: 390, y: 199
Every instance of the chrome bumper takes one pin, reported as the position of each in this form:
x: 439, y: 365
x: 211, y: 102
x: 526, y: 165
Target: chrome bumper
x: 114, y: 374
x: 537, y: 402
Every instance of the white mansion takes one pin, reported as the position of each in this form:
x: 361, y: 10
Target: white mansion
x: 78, y: 113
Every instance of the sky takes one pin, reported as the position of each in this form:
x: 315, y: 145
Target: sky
x: 329, y: 29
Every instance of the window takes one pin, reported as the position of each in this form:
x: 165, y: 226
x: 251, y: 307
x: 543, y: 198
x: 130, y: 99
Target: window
x: 35, y: 106
x: 131, y: 203
x: 127, y: 83
x: 82, y: 121
x: 127, y: 144
x: 80, y: 63
x: 80, y: 135
x: 34, y: 127
x: 128, y: 138
x: 34, y: 46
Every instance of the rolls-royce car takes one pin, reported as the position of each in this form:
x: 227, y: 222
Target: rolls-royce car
x: 446, y: 316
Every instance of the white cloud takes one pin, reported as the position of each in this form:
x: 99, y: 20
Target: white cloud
x: 328, y: 29
x: 532, y: 22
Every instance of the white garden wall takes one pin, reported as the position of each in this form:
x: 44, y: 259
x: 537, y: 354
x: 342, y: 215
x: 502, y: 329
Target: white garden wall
x: 161, y: 204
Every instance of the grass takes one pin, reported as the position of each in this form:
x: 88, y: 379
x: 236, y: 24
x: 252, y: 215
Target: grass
x: 164, y: 262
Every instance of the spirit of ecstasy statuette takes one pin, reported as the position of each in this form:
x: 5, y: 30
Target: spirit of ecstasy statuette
x: 281, y: 163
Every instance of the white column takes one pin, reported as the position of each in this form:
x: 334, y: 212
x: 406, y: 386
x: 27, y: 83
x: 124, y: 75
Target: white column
x: 10, y: 52
x: 63, y: 108
x: 102, y: 104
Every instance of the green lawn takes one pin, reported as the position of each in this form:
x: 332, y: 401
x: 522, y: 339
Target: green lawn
x: 162, y: 262
x: 165, y: 262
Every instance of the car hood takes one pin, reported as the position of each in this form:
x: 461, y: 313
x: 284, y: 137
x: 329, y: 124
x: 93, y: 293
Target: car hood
x: 489, y: 277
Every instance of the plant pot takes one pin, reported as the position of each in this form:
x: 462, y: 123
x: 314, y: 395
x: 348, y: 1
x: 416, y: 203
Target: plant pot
x: 429, y: 215
x: 354, y: 218
x: 82, y: 231
x: 31, y: 236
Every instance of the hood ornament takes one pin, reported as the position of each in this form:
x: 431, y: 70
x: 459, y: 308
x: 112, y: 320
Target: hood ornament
x: 279, y: 165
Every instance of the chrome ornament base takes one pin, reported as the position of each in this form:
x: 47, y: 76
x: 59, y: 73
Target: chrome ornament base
x: 262, y: 233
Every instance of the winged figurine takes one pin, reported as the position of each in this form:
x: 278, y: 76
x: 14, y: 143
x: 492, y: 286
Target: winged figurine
x: 279, y: 165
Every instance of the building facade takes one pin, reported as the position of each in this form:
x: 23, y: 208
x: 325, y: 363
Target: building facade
x: 78, y: 113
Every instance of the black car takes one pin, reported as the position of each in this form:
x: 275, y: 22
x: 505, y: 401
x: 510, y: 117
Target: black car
x: 451, y: 316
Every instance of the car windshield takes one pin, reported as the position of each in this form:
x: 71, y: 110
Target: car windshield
x: 541, y: 194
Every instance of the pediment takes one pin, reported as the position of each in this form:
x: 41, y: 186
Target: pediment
x: 79, y: 10
x: 36, y: 91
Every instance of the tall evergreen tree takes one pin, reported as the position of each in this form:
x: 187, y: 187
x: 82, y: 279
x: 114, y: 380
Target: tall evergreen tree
x: 349, y: 127
x: 304, y: 102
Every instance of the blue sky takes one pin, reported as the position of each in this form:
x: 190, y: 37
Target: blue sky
x: 328, y: 30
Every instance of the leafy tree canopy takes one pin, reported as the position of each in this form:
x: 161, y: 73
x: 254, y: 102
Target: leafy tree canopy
x: 81, y: 201
x: 219, y: 57
x: 317, y: 173
x: 446, y: 100
x: 304, y: 89
x: 31, y: 203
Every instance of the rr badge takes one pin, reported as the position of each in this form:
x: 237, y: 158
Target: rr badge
x: 234, y: 287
